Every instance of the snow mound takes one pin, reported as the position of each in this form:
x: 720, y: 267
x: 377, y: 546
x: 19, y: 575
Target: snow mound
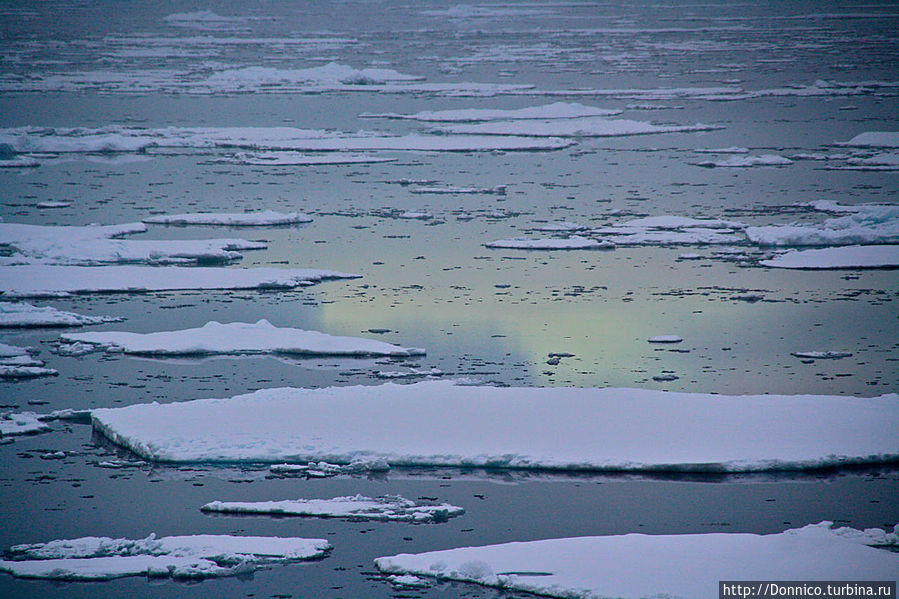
x: 574, y: 242
x: 556, y: 110
x: 852, y: 256
x: 241, y: 219
x: 21, y: 314
x: 747, y: 161
x: 238, y: 338
x: 53, y: 281
x: 357, y: 507
x: 633, y: 566
x: 437, y: 423
x: 184, y: 557
x: 582, y: 127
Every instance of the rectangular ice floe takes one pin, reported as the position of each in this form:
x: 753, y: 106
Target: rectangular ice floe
x: 853, y: 256
x: 21, y: 314
x: 437, y: 423
x: 239, y: 219
x: 43, y: 281
x: 357, y: 507
x: 188, y: 557
x: 239, y: 338
x: 633, y: 566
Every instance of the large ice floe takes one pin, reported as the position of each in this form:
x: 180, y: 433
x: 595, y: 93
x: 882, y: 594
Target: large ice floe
x: 17, y: 363
x: 95, y: 245
x: 391, y: 508
x: 238, y: 338
x: 556, y: 110
x: 438, y: 423
x: 634, y: 566
x: 239, y: 219
x: 579, y: 127
x: 132, y: 139
x: 24, y: 315
x: 182, y: 557
x: 852, y: 256
x: 60, y: 281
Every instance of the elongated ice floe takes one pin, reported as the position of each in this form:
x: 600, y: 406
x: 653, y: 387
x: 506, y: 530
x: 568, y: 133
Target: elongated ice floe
x: 55, y: 281
x: 438, y: 423
x: 747, y: 161
x: 574, y: 242
x: 239, y: 338
x: 634, y: 566
x: 300, y: 159
x: 239, y: 219
x: 22, y: 315
x: 556, y: 110
x: 17, y: 363
x: 183, y: 557
x: 581, y: 127
x: 851, y: 256
x: 356, y: 507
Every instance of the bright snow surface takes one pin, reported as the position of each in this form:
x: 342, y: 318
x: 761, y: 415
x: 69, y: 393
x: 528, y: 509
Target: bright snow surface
x: 239, y: 338
x: 187, y: 557
x: 853, y: 256
x: 437, y: 423
x: 37, y: 281
x: 21, y: 314
x: 629, y: 566
x: 357, y: 507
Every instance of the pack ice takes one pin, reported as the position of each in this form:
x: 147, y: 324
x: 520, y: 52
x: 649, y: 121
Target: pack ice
x: 438, y: 423
x: 634, y: 566
x: 261, y: 337
x: 185, y: 557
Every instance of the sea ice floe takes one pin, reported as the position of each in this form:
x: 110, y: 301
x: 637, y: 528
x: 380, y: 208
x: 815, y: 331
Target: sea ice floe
x: 17, y: 363
x: 95, y: 245
x: 556, y: 110
x: 19, y: 162
x: 580, y: 127
x: 356, y: 507
x: 240, y: 219
x: 238, y: 338
x: 665, y: 339
x: 574, y: 242
x: 23, y: 423
x: 747, y: 161
x: 861, y: 224
x: 634, y: 565
x: 327, y: 469
x: 408, y: 374
x: 821, y: 355
x: 59, y: 281
x: 300, y: 159
x: 424, y: 189
x: 21, y: 314
x: 874, y: 139
x: 183, y: 557
x: 673, y: 230
x: 851, y: 257
x: 728, y: 150
x: 437, y: 423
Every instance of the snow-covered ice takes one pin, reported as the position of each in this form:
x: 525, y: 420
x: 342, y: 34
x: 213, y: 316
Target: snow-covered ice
x: 16, y: 363
x: 727, y: 150
x: 54, y: 281
x: 674, y: 230
x: 498, y: 189
x: 851, y: 256
x: 355, y: 507
x: 581, y: 127
x: 874, y: 139
x: 861, y: 224
x: 437, y: 423
x: 574, y: 242
x: 665, y: 339
x: 556, y: 110
x: 747, y: 161
x: 261, y: 337
x: 22, y: 423
x: 822, y: 355
x: 639, y: 565
x: 21, y: 314
x: 300, y: 159
x: 184, y: 557
x: 238, y: 219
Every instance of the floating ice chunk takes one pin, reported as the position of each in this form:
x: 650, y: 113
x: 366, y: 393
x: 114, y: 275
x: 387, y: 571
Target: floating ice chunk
x: 557, y: 110
x: 665, y: 339
x: 885, y: 161
x: 747, y: 161
x: 497, y: 189
x: 18, y: 162
x: 852, y: 256
x: 189, y: 557
x: 728, y: 150
x: 53, y: 281
x: 241, y: 219
x: 325, y: 469
x: 408, y: 374
x: 330, y: 75
x: 415, y: 215
x: 356, y: 507
x: 407, y: 580
x: 574, y: 242
x: 560, y: 226
x: 23, y: 423
x: 821, y: 355
x: 673, y: 230
x: 299, y: 159
x: 874, y: 139
x: 671, y: 223
x: 21, y: 314
x: 437, y: 423
x: 239, y: 338
x: 17, y: 363
x: 863, y: 224
x: 53, y: 204
x: 582, y: 127
x: 633, y: 566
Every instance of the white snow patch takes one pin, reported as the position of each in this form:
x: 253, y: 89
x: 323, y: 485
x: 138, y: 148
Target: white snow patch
x: 239, y: 338
x: 665, y: 339
x: 408, y: 374
x: 437, y: 423
x: 728, y: 150
x: 581, y: 127
x: 356, y: 507
x: 852, y: 256
x: 24, y: 423
x: 44, y: 281
x: 185, y: 557
x: 574, y: 242
x: 21, y: 314
x: 862, y: 224
x: 241, y: 219
x: 557, y: 110
x: 634, y: 566
x: 748, y: 161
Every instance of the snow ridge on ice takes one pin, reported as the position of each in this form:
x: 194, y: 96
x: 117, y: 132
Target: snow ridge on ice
x: 238, y: 338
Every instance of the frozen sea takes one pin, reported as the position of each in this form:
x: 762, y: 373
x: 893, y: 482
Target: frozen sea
x: 415, y: 136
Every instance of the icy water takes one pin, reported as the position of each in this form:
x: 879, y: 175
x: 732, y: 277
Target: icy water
x: 783, y: 79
